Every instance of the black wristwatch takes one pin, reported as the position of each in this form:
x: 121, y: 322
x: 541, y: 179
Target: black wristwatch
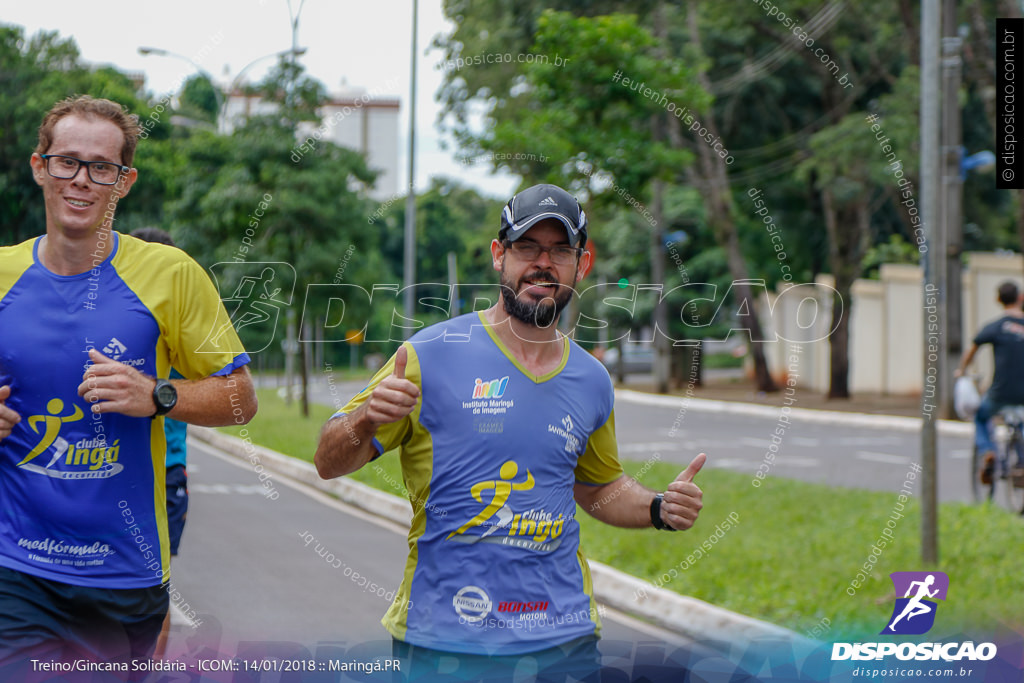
x: 165, y: 396
x: 656, y: 519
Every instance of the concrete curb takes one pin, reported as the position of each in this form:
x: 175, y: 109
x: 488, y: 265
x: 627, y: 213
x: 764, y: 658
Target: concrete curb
x: 909, y: 424
x: 680, y: 614
x: 349, y: 491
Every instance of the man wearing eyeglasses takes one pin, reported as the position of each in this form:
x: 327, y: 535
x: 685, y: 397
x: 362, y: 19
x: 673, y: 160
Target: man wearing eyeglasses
x: 504, y: 425
x: 91, y: 322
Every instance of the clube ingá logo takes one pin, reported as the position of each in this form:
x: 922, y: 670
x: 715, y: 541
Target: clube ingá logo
x: 914, y: 613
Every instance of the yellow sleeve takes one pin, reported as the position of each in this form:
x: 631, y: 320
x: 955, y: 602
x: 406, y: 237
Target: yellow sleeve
x: 599, y: 463
x: 185, y: 303
x: 201, y: 317
x: 394, y: 434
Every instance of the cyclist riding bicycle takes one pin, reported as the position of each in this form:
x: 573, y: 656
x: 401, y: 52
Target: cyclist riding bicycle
x: 1006, y: 335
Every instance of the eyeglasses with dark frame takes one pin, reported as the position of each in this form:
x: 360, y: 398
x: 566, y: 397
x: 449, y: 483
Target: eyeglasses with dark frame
x: 100, y: 172
x: 560, y: 254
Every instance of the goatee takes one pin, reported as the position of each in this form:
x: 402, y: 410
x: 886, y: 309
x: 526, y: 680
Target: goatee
x: 539, y: 314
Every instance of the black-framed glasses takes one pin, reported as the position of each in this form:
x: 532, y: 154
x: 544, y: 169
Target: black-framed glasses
x: 100, y: 172
x: 530, y: 251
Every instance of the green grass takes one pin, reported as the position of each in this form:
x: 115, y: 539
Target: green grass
x: 722, y: 360
x: 798, y: 546
x: 791, y: 556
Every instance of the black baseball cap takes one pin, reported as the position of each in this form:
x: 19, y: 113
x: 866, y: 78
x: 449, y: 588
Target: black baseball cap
x: 536, y: 203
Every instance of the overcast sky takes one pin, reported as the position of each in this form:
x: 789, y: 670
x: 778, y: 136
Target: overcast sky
x: 362, y: 44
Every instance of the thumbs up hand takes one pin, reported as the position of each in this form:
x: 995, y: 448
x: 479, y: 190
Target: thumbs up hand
x: 395, y: 396
x: 684, y: 499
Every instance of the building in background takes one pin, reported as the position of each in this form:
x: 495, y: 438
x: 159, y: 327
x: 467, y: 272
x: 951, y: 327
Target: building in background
x: 352, y: 118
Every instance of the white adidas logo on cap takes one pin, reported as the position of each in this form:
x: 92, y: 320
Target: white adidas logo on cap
x: 547, y: 201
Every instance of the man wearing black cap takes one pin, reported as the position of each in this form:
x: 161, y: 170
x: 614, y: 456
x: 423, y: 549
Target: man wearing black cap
x: 515, y: 426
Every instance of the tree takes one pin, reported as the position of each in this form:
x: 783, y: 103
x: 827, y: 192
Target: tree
x: 848, y: 167
x: 199, y: 99
x: 588, y: 115
x: 314, y: 209
x: 778, y: 80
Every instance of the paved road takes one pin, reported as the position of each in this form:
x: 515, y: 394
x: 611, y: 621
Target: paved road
x: 837, y: 454
x: 830, y: 453
x: 251, y: 571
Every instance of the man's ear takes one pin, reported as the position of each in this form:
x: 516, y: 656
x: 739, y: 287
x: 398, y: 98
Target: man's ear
x: 497, y: 254
x: 38, y: 165
x: 583, y: 267
x: 124, y: 185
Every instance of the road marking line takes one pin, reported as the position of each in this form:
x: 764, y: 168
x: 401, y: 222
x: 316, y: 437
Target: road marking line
x: 647, y: 447
x: 867, y: 440
x: 796, y: 461
x: 883, y: 457
x: 242, y: 489
x: 731, y: 463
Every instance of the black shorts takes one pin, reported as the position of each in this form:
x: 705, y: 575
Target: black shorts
x: 577, y: 660
x: 52, y: 621
x: 177, y: 504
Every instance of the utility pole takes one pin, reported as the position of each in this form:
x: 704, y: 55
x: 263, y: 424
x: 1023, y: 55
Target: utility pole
x: 952, y: 198
x: 409, y: 300
x: 662, y: 361
x: 933, y: 262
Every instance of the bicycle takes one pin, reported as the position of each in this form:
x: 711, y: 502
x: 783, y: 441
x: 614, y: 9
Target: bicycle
x: 1008, y: 474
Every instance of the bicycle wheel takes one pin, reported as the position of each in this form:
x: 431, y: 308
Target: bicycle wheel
x: 1012, y: 476
x: 980, y: 492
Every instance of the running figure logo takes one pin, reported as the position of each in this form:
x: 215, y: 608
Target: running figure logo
x: 914, y: 613
x: 51, y: 430
x: 503, y: 488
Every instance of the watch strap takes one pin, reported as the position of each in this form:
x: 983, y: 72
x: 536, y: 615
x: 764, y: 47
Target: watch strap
x: 656, y: 521
x: 162, y: 408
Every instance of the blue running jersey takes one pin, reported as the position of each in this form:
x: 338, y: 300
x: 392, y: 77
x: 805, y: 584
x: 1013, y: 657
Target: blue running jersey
x: 82, y: 496
x: 490, y: 456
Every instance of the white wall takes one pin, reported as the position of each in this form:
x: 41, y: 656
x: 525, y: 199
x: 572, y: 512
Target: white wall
x: 887, y: 325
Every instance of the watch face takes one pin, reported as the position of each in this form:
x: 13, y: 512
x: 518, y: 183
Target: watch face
x: 166, y: 394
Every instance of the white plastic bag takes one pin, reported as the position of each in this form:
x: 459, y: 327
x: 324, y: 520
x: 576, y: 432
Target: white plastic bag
x: 965, y: 398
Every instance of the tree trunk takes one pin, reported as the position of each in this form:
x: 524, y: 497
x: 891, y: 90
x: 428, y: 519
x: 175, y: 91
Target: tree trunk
x: 848, y: 233
x: 839, y: 348
x: 718, y: 202
x: 620, y: 363
x: 662, y: 342
x: 304, y: 362
x: 687, y: 366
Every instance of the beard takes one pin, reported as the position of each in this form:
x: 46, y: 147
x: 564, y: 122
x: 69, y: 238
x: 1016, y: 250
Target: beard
x: 539, y: 314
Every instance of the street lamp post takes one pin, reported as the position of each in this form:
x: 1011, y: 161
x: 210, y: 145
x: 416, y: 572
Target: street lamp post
x: 222, y: 97
x: 409, y: 251
x: 160, y: 52
x: 934, y: 262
